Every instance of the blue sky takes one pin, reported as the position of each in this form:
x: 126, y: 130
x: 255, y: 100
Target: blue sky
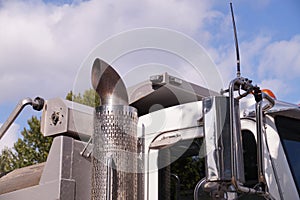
x: 43, y: 43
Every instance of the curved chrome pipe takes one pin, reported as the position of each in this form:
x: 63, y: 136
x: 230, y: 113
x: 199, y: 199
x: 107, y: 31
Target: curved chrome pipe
x: 270, y: 100
x: 196, y: 190
x: 236, y: 183
x: 177, y: 186
x: 37, y: 104
x: 233, y: 131
x: 260, y: 109
x: 259, y: 115
x: 108, y: 84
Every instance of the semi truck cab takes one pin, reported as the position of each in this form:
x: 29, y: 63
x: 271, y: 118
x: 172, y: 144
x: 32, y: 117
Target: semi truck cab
x: 185, y: 148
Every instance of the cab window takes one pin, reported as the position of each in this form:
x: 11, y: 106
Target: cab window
x: 289, y: 132
x: 178, y: 180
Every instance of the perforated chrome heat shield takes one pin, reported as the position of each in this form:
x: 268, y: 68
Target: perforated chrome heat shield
x: 115, y: 153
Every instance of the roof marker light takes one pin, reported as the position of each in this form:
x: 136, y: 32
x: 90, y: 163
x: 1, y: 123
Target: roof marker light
x: 269, y: 92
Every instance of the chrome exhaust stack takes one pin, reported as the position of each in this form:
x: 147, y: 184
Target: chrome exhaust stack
x: 108, y: 84
x: 115, y: 150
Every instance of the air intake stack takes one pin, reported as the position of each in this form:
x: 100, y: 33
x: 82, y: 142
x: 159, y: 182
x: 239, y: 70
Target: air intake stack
x: 114, y: 161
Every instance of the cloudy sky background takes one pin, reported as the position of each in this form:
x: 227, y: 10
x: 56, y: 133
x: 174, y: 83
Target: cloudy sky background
x: 43, y: 43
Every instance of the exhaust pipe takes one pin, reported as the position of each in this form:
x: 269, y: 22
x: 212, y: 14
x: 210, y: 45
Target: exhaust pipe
x: 108, y: 84
x: 115, y: 138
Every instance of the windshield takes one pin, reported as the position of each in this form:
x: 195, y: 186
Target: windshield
x: 289, y: 131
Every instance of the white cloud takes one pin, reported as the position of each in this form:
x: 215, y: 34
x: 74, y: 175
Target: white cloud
x: 281, y: 59
x: 277, y: 86
x: 270, y: 64
x: 10, y: 137
x: 276, y: 65
x: 41, y: 51
x: 251, y: 53
x: 250, y: 57
x: 42, y: 45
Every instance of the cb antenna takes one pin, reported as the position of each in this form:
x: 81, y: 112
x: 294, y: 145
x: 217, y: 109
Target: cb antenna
x: 238, y: 67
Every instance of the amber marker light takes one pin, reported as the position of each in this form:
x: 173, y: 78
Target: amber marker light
x: 269, y: 92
